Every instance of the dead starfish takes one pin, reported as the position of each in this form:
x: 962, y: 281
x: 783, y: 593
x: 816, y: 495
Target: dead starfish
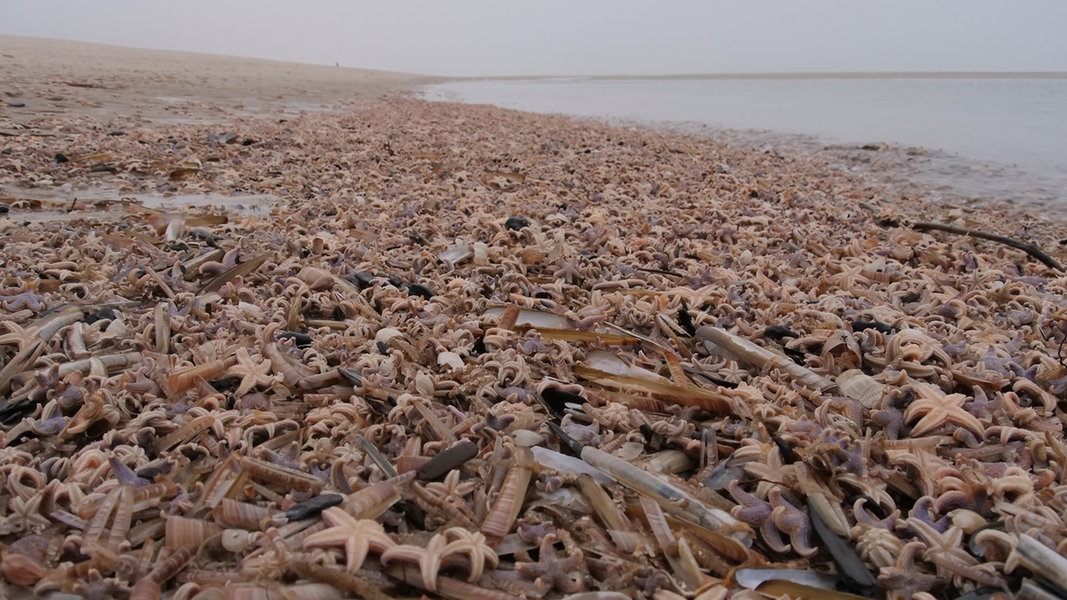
x: 552, y: 572
x: 428, y: 558
x: 252, y: 374
x: 357, y: 536
x: 904, y: 578
x: 937, y: 409
x: 473, y: 546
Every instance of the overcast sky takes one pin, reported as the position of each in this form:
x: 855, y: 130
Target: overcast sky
x: 575, y: 37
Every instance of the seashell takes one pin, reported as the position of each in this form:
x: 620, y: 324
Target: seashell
x: 238, y: 540
x: 480, y: 252
x: 20, y: 569
x: 533, y: 255
x: 567, y: 464
x: 232, y: 513
x: 501, y: 517
x: 387, y: 334
x: 449, y: 459
x: 455, y: 254
x: 611, y: 363
x: 532, y: 318
x: 861, y: 387
x: 182, y: 532
x: 526, y: 438
x: 668, y: 461
x: 1039, y: 560
x: 450, y: 360
x: 751, y: 578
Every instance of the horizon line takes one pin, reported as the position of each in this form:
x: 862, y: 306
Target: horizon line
x: 794, y: 75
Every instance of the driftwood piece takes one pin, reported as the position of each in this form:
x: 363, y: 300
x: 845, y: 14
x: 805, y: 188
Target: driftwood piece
x: 1029, y: 248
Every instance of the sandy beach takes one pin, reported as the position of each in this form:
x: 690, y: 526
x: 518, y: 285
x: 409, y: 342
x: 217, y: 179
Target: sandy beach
x: 252, y: 312
x: 57, y: 78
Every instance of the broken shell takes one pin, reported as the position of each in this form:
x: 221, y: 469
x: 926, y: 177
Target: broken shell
x: 861, y: 387
x: 182, y: 532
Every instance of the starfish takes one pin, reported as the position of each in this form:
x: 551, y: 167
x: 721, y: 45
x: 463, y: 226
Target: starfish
x: 946, y: 550
x: 474, y: 547
x: 428, y: 558
x: 937, y: 409
x: 791, y: 521
x: 357, y: 536
x: 252, y: 374
x: 903, y: 579
x: 568, y: 270
x: 552, y: 572
x: 17, y: 335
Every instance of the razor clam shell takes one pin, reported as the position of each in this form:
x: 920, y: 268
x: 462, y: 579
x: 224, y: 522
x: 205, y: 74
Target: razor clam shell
x: 751, y: 578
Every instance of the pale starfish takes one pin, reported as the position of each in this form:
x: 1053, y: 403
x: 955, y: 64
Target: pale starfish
x: 252, y: 374
x: 428, y: 558
x: 937, y: 409
x: 471, y: 544
x: 357, y: 536
x: 946, y: 550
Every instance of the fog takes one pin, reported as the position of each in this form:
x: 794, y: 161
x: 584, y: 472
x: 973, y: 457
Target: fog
x: 596, y: 37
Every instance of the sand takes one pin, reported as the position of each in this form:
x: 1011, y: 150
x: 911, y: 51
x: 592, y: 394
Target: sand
x: 53, y: 78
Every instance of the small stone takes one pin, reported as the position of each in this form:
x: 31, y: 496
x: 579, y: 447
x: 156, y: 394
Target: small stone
x: 516, y: 223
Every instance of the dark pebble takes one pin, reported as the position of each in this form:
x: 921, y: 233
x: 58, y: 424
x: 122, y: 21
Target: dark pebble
x: 15, y: 104
x: 777, y: 332
x: 859, y: 326
x: 104, y: 314
x: 416, y: 289
x: 4, y: 209
x: 516, y: 223
x: 61, y: 158
x: 116, y: 132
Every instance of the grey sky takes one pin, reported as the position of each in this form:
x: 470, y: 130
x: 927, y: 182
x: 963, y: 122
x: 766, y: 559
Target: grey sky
x: 557, y: 37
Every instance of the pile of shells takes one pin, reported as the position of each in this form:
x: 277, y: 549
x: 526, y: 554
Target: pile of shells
x: 473, y: 353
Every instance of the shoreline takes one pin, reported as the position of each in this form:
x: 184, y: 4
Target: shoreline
x: 784, y: 76
x: 419, y: 276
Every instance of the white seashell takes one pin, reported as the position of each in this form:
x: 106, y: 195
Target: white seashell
x: 752, y: 578
x: 861, y: 387
x: 533, y: 318
x: 567, y: 464
x: 455, y: 254
x: 450, y: 359
x: 611, y: 363
x: 385, y: 334
x: 237, y: 540
x: 481, y: 254
x: 526, y: 438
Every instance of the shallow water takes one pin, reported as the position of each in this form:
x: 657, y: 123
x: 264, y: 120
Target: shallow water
x: 957, y: 139
x: 101, y: 203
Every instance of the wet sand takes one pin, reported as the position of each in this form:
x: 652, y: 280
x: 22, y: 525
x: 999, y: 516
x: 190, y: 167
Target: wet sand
x: 433, y: 273
x: 122, y: 87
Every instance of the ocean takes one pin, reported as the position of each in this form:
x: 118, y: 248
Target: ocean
x: 961, y: 139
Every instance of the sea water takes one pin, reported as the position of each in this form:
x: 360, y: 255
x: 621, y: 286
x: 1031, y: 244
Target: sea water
x: 961, y: 138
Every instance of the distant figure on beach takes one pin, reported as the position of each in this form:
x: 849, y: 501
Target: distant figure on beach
x: 337, y: 64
